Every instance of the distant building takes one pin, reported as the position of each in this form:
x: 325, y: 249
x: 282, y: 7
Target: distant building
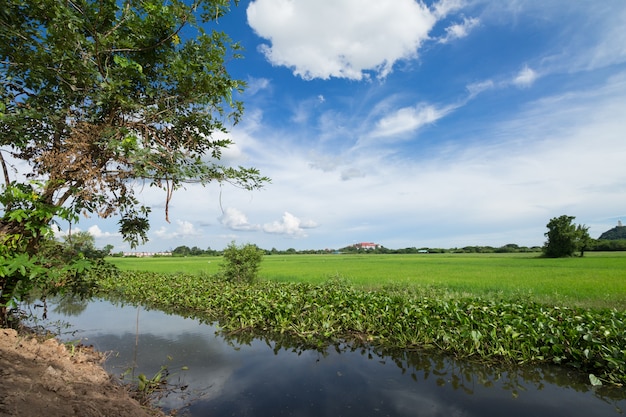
x: 367, y: 245
x: 147, y: 254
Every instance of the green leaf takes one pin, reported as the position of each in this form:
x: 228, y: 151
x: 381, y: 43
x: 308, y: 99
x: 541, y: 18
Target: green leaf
x: 594, y: 380
x: 127, y: 63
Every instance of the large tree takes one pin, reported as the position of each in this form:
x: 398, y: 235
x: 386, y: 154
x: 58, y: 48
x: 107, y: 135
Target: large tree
x: 98, y: 97
x: 565, y: 238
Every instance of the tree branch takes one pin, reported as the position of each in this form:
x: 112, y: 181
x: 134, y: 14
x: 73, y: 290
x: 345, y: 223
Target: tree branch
x: 5, y: 170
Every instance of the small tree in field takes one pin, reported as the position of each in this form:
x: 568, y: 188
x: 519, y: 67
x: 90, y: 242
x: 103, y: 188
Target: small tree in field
x: 565, y: 238
x: 241, y: 263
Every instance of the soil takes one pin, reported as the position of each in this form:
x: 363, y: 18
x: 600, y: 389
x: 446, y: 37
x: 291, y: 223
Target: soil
x: 43, y: 378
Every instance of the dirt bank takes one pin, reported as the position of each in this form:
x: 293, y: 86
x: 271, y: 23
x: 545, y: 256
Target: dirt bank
x: 42, y: 378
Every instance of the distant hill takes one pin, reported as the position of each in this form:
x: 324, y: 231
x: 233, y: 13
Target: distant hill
x: 616, y: 233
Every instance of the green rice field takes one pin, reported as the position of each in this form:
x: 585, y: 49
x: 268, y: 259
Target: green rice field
x: 597, y: 280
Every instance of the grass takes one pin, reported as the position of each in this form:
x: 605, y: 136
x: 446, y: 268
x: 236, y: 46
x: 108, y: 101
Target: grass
x: 596, y: 281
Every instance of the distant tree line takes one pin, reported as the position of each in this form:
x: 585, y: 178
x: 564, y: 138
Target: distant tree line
x: 509, y: 248
x: 564, y: 239
x: 606, y: 245
x: 195, y: 251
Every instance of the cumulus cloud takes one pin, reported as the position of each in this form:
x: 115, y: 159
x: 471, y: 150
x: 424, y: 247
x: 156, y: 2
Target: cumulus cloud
x: 459, y: 30
x: 344, y: 38
x: 408, y: 119
x: 236, y: 220
x: 96, y: 232
x: 289, y: 225
x: 525, y: 78
x: 184, y: 229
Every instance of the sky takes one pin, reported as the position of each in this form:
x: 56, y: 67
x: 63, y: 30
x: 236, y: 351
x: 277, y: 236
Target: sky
x: 409, y: 123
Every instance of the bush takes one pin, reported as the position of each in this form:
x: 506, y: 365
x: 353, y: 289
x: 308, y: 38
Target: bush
x: 241, y: 263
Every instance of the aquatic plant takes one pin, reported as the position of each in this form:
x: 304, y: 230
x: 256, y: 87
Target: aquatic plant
x: 493, y: 329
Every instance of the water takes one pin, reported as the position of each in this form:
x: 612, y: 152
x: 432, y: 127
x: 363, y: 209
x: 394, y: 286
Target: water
x: 238, y: 375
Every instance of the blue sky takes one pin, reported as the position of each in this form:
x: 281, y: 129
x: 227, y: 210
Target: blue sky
x: 428, y: 124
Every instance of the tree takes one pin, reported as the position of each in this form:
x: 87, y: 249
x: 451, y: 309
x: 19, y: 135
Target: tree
x: 107, y: 249
x: 241, y: 263
x: 565, y: 238
x: 583, y: 240
x: 99, y: 96
x: 82, y: 243
x: 181, y: 251
x: 196, y: 251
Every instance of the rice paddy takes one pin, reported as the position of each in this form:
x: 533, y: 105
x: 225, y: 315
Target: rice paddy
x: 597, y: 280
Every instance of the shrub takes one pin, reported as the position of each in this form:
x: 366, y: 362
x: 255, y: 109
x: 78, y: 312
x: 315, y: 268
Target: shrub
x: 241, y: 263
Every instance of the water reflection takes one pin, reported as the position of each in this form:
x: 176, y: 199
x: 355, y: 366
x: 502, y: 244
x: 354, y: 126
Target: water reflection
x: 244, y: 375
x: 70, y: 306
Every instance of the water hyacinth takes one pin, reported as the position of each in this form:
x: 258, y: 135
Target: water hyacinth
x: 510, y: 331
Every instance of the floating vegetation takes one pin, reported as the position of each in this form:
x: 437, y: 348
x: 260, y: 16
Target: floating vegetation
x: 490, y: 329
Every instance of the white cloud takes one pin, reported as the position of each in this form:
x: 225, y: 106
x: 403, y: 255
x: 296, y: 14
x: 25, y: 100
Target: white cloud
x: 324, y: 162
x: 289, y: 225
x: 582, y: 39
x: 407, y: 120
x: 480, y: 177
x: 459, y: 30
x: 351, y: 173
x: 444, y: 7
x: 184, y: 230
x: 97, y: 233
x: 525, y: 78
x: 256, y: 85
x: 610, y: 47
x: 343, y: 38
x: 236, y: 220
x: 478, y: 87
x: 500, y: 184
x: 94, y: 231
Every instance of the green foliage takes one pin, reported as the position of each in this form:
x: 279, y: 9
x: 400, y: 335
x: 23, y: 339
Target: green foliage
x: 241, y: 263
x: 151, y: 390
x: 565, y: 238
x: 21, y: 274
x: 24, y: 223
x: 489, y: 329
x: 95, y: 94
x: 29, y: 256
x: 147, y: 388
x: 82, y: 244
x: 195, y: 251
x: 609, y: 245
